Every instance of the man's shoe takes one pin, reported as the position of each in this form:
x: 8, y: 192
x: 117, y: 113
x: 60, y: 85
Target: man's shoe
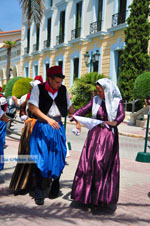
x: 54, y: 189
x: 39, y: 198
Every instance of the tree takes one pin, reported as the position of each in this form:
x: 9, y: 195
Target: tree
x: 33, y: 9
x: 84, y: 88
x: 8, y: 45
x: 135, y: 58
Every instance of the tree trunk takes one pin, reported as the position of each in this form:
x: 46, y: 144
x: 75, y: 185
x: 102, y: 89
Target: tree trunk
x: 8, y: 64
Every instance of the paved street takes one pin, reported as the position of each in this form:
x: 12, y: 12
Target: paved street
x: 133, y: 206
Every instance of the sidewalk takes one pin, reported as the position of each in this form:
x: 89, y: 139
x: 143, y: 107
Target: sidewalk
x: 131, y: 131
x: 133, y: 207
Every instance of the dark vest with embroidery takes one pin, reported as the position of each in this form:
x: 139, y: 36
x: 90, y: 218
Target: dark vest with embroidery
x: 45, y: 101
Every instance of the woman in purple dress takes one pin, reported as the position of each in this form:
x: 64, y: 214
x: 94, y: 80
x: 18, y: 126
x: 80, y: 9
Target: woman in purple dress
x: 96, y: 180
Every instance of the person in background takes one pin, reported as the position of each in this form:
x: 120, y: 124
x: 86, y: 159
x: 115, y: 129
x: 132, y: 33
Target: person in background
x: 49, y: 102
x: 3, y: 123
x: 96, y: 180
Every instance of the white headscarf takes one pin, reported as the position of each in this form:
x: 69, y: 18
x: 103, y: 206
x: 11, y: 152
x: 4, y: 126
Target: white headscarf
x: 34, y: 83
x: 112, y: 98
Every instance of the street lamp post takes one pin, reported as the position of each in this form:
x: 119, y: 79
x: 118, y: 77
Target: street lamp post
x: 91, y: 59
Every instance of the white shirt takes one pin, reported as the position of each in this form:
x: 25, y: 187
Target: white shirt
x: 1, y: 112
x: 53, y: 111
x: 3, y: 101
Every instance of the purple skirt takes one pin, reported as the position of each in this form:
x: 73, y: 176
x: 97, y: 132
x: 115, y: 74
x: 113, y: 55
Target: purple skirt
x: 96, y: 179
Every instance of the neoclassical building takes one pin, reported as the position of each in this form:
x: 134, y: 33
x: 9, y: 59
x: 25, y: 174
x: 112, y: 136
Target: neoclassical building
x: 15, y: 54
x: 72, y: 31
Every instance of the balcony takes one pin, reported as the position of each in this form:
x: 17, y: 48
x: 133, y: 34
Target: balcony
x: 95, y: 27
x: 76, y: 33
x: 59, y: 39
x: 26, y: 50
x: 35, y: 47
x: 46, y: 44
x: 118, y: 18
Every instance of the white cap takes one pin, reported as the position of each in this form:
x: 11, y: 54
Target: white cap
x: 34, y: 83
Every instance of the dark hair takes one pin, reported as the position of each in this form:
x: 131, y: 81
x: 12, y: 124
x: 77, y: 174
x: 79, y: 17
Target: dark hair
x: 58, y: 75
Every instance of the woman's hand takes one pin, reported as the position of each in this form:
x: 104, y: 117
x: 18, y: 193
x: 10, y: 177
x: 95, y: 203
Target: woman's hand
x: 109, y: 123
x: 78, y: 126
x: 53, y: 123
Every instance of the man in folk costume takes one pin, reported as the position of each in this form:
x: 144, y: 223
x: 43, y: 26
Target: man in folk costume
x: 49, y: 102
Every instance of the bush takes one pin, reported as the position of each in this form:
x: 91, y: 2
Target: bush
x: 9, y: 86
x: 142, y: 86
x: 21, y: 87
x: 84, y: 88
x: 3, y: 88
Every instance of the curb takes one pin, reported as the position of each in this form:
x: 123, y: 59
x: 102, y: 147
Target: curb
x: 131, y: 135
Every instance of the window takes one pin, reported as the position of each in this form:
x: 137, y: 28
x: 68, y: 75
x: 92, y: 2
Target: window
x: 119, y: 66
x: 122, y: 11
x: 100, y: 9
x: 60, y: 63
x: 35, y: 70
x: 76, y: 68
x: 46, y: 67
x: 62, y: 27
x: 28, y: 39
x: 48, y: 32
x: 26, y: 72
x: 37, y: 36
x: 51, y: 3
x: 95, y: 66
x: 78, y: 18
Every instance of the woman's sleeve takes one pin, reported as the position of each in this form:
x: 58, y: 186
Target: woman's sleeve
x: 121, y: 113
x: 84, y: 110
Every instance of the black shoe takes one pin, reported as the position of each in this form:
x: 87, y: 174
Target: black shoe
x: 39, y: 198
x: 54, y: 189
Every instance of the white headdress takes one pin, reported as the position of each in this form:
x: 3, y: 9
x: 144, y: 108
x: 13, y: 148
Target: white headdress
x: 112, y: 97
x: 34, y: 83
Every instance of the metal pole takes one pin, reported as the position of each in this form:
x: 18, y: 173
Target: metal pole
x: 147, y: 128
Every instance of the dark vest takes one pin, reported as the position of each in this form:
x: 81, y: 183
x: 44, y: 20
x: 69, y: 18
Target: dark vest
x: 45, y: 101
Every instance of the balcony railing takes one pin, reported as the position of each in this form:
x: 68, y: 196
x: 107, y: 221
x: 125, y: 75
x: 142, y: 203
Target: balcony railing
x: 35, y: 47
x: 59, y: 39
x: 118, y: 18
x: 26, y: 50
x: 95, y: 27
x: 76, y: 33
x: 46, y: 43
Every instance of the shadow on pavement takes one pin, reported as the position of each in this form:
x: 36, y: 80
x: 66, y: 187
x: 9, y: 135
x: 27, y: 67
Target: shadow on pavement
x: 23, y: 207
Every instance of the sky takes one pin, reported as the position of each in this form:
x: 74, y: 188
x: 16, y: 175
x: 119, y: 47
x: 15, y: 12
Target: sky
x: 10, y: 15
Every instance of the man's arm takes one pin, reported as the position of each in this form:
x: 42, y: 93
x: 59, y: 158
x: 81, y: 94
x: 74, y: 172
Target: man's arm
x: 36, y: 111
x: 71, y: 110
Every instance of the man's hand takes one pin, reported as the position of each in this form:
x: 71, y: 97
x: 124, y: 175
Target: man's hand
x: 4, y: 118
x: 53, y: 123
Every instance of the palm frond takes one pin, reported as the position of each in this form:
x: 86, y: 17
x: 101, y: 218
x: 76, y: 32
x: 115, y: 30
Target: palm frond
x: 33, y: 9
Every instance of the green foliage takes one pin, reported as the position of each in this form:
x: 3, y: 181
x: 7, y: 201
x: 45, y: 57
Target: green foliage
x: 135, y: 58
x: 9, y: 86
x: 3, y: 88
x: 84, y: 88
x: 21, y: 87
x: 142, y: 86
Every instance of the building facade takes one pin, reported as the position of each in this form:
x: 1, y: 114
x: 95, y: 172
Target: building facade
x: 15, y: 55
x: 71, y: 29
